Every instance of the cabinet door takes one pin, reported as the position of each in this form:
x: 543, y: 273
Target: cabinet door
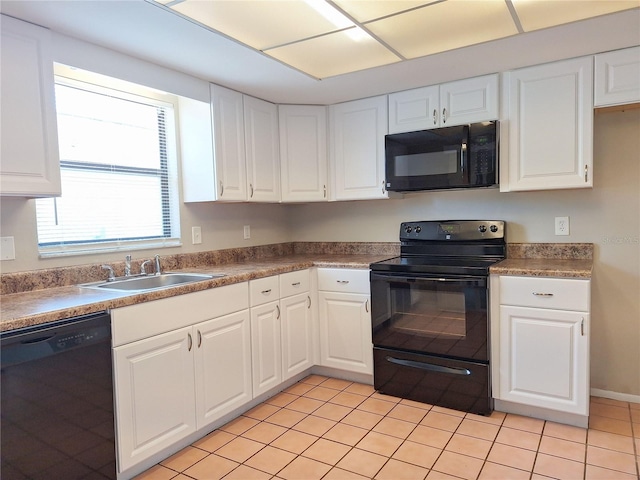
x: 229, y: 148
x: 345, y: 332
x: 550, y: 127
x: 617, y: 77
x: 262, y: 148
x: 30, y: 158
x: 468, y: 101
x: 222, y: 366
x: 154, y: 395
x: 416, y: 109
x: 544, y: 358
x: 266, y: 347
x: 357, y: 149
x: 303, y: 152
x: 297, y: 334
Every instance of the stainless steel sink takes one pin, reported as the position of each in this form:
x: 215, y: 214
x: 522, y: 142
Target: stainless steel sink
x: 151, y: 282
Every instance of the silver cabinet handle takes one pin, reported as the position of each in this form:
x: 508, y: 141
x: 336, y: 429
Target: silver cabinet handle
x: 444, y: 115
x: 266, y: 292
x: 199, y: 339
x: 582, y: 327
x: 309, y: 300
x: 295, y: 284
x: 344, y: 282
x: 221, y: 188
x: 366, y: 306
x: 251, y: 188
x: 435, y: 116
x: 383, y: 191
x: 190, y: 341
x: 278, y: 310
x: 586, y: 172
x: 324, y: 189
x: 539, y: 294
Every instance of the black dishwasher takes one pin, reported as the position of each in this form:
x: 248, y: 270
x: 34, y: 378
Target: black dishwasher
x: 57, y: 400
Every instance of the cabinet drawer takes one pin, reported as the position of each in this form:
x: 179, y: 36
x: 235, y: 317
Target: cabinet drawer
x: 554, y: 293
x: 343, y: 280
x: 293, y: 283
x: 264, y: 290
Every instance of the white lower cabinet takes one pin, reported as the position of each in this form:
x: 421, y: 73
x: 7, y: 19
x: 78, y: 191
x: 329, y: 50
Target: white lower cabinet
x: 544, y: 343
x: 168, y: 385
x: 345, y: 320
x: 281, y: 328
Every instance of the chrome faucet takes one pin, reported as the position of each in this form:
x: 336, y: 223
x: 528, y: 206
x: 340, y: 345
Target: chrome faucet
x: 157, y: 260
x: 143, y: 267
x: 127, y: 266
x: 112, y: 276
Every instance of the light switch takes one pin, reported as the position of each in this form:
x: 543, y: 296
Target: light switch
x: 196, y: 235
x: 7, y: 248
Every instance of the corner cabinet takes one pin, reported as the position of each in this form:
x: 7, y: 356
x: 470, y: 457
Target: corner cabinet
x: 30, y: 158
x: 357, y: 131
x: 179, y: 364
x: 547, y: 131
x: 303, y: 153
x: 454, y: 103
x: 544, y: 342
x: 345, y: 319
x: 617, y: 77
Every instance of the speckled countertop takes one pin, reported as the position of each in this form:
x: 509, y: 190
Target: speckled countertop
x: 566, y: 260
x: 35, y: 307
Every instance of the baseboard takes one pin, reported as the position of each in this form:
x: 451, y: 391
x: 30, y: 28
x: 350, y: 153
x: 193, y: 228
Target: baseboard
x: 623, y: 397
x: 541, y: 413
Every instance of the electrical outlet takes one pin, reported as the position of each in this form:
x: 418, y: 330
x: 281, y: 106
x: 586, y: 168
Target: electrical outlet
x: 196, y: 235
x: 247, y: 232
x: 7, y: 248
x: 562, y: 225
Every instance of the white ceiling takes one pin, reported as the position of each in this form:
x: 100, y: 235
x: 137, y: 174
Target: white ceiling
x: 324, y: 38
x: 149, y: 31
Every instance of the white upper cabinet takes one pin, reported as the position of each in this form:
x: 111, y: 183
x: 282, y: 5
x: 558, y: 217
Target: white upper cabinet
x: 262, y: 149
x: 229, y: 148
x: 357, y: 131
x: 617, y: 77
x: 303, y: 152
x: 245, y: 162
x: 547, y: 135
x: 455, y: 103
x: 30, y: 158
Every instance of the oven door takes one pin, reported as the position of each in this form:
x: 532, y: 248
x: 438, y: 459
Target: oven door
x: 430, y: 315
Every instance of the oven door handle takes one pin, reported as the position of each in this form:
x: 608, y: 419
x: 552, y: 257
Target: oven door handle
x: 429, y: 366
x: 396, y: 278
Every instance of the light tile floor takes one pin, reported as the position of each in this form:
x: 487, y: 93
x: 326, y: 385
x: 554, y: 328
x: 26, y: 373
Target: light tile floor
x: 330, y: 429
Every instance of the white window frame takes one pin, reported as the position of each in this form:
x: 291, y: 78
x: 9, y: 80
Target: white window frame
x: 128, y: 91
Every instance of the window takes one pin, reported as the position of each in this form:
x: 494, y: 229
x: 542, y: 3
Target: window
x: 118, y: 169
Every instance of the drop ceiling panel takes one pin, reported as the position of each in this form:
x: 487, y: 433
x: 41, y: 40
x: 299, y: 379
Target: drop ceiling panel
x: 258, y: 24
x: 445, y: 26
x: 366, y: 10
x: 536, y: 14
x: 334, y: 54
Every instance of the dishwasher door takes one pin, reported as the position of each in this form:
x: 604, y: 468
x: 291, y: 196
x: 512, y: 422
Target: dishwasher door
x: 57, y: 400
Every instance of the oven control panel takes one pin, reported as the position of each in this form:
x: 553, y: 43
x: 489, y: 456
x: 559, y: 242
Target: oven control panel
x: 452, y: 230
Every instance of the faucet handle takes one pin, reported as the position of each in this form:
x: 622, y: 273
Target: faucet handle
x: 127, y: 265
x: 112, y: 276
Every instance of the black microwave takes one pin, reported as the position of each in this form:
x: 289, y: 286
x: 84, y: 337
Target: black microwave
x: 464, y: 156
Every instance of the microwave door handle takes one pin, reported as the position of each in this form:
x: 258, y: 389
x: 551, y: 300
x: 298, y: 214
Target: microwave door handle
x: 464, y: 154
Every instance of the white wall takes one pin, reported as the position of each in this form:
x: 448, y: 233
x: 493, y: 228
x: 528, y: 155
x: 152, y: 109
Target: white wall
x: 607, y: 215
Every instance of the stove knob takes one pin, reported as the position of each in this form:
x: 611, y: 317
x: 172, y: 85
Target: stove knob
x: 494, y: 228
x: 408, y: 229
x: 418, y: 229
x: 482, y: 228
